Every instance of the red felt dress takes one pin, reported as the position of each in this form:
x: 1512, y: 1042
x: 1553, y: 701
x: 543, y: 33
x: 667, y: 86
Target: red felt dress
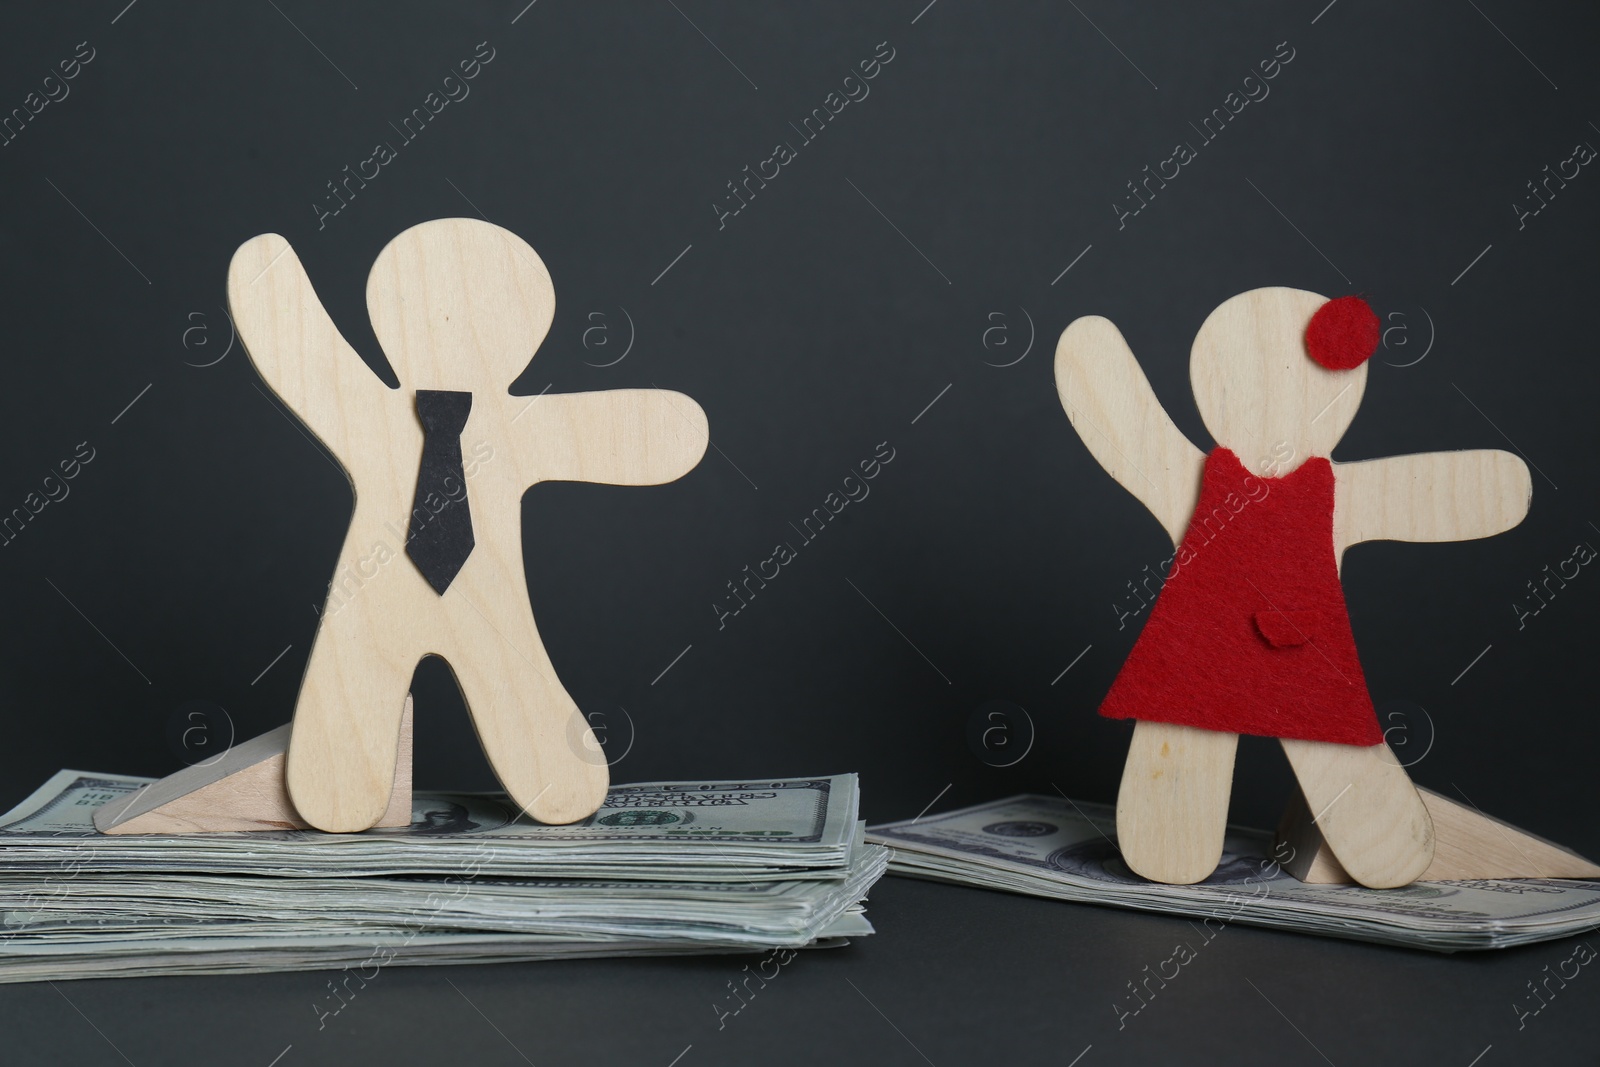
x: 1250, y: 633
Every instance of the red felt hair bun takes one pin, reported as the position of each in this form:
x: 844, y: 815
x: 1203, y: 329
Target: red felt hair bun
x: 1343, y: 333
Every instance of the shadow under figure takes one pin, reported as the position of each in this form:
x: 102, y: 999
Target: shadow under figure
x: 1250, y: 633
x: 460, y: 307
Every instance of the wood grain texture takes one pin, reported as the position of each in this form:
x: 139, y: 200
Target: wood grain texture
x: 1172, y: 807
x: 1298, y: 846
x: 1261, y: 396
x: 1468, y: 845
x: 1368, y: 811
x: 1110, y: 403
x: 243, y: 790
x: 1432, y: 496
x: 457, y: 304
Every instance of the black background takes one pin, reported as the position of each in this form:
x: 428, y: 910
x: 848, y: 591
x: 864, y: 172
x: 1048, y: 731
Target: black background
x: 868, y: 280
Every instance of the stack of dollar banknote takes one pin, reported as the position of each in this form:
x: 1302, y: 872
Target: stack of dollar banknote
x: 662, y: 868
x: 1064, y: 849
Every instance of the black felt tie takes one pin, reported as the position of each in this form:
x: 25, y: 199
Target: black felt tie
x: 440, y: 536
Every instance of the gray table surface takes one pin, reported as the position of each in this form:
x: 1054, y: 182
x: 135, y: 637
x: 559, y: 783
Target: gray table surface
x: 953, y: 976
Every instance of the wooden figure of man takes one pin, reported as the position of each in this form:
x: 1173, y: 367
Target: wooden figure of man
x: 432, y: 563
x: 1249, y: 633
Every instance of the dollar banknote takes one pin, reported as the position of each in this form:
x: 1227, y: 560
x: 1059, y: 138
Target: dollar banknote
x: 728, y: 829
x: 661, y: 868
x: 1063, y: 849
x: 360, y: 952
x: 766, y: 913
